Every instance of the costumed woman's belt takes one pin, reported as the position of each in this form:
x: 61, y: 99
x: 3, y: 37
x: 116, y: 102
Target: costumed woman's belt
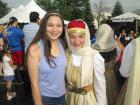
x: 82, y: 90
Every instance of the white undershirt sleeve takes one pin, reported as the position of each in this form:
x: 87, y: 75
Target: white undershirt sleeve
x: 99, y: 79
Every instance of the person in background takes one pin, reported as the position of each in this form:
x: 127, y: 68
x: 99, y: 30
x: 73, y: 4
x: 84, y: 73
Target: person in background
x: 92, y: 37
x: 130, y: 94
x: 1, y: 47
x: 46, y: 61
x: 8, y: 72
x: 106, y: 45
x: 15, y: 37
x: 85, y: 81
x: 120, y: 48
x: 132, y: 34
x: 122, y: 37
x: 31, y: 29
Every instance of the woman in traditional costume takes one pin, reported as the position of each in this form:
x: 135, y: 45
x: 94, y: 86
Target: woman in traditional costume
x: 85, y: 81
x: 106, y: 45
x: 130, y: 67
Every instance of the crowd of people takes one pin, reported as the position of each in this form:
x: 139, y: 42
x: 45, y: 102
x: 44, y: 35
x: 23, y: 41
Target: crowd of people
x: 65, y: 67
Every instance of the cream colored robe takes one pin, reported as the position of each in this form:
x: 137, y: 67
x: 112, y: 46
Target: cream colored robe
x: 73, y: 75
x: 132, y: 96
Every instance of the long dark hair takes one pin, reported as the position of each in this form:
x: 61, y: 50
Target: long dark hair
x: 41, y: 35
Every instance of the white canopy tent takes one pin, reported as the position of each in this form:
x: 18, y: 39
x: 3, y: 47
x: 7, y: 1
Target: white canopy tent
x: 22, y: 13
x: 5, y: 19
x: 127, y: 17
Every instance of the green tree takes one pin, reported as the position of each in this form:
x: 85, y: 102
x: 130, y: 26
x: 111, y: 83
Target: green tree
x: 47, y: 5
x: 74, y: 9
x: 3, y: 9
x: 70, y: 9
x: 118, y: 9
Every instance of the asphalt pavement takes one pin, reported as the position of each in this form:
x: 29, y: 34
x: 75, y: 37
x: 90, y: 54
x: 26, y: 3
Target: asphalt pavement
x: 22, y: 89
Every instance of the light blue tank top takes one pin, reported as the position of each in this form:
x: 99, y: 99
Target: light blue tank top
x: 52, y: 80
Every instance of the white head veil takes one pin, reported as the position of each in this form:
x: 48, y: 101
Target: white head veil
x: 104, y: 39
x: 87, y: 56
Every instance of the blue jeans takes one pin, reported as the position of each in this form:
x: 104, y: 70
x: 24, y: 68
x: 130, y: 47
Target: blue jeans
x: 53, y: 100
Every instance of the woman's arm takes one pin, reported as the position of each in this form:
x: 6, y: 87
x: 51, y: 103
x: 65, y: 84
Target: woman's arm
x: 1, y: 44
x: 10, y: 61
x: 33, y: 63
x: 1, y: 41
x: 99, y: 80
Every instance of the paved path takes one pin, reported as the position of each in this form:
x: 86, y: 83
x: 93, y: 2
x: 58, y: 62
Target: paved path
x: 22, y: 89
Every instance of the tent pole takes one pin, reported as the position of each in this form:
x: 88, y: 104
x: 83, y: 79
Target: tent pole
x: 136, y: 26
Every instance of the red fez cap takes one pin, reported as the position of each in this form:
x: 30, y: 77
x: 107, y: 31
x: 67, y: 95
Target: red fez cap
x: 76, y: 26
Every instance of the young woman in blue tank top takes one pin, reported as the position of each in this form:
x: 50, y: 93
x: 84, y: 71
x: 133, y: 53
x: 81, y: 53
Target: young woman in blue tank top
x: 46, y: 61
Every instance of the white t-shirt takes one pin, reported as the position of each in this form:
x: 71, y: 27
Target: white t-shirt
x: 7, y: 69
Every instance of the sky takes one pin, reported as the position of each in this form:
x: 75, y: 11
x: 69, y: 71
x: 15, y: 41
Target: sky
x: 128, y: 5
x: 15, y: 3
